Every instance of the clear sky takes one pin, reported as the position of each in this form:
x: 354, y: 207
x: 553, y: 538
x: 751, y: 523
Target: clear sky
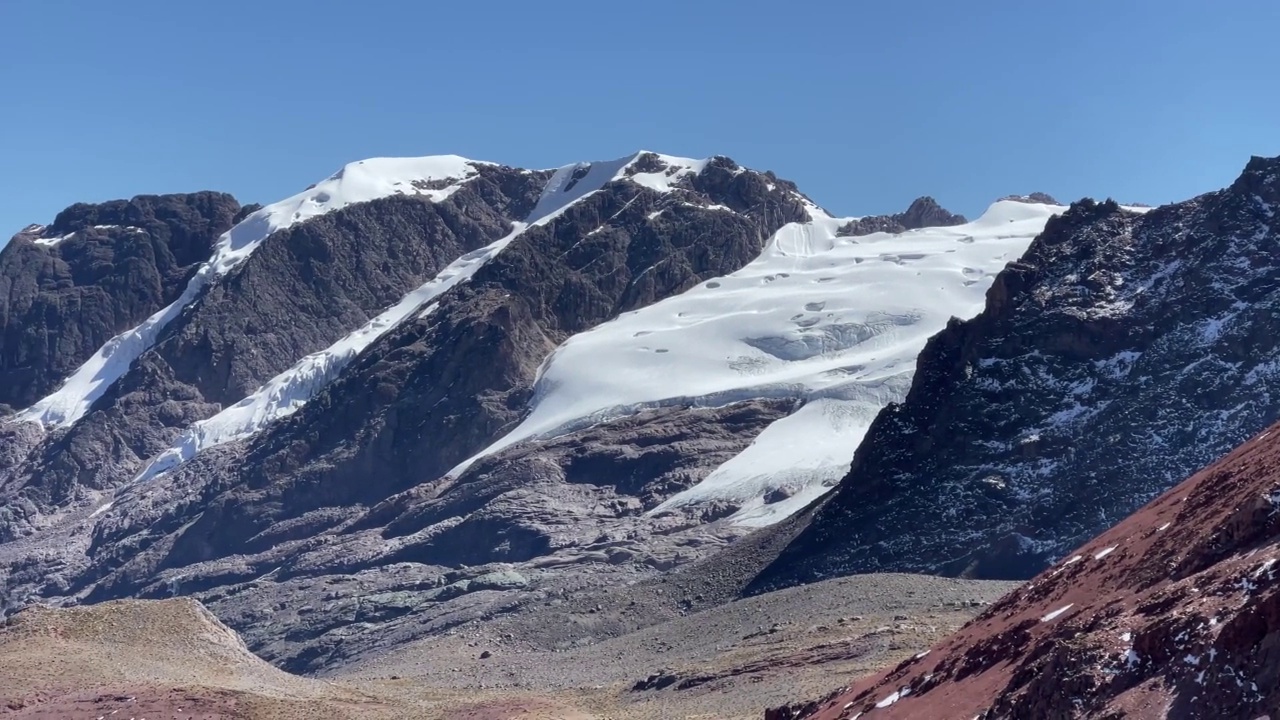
x: 865, y: 105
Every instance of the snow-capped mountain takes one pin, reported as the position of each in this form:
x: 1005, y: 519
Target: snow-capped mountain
x: 447, y: 386
x: 1125, y: 350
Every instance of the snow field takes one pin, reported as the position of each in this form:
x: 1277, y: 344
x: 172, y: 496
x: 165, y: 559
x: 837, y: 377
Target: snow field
x: 833, y: 321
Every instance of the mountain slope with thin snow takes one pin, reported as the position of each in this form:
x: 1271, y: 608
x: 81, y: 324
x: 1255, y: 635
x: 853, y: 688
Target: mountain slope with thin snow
x: 94, y: 272
x: 1172, y: 613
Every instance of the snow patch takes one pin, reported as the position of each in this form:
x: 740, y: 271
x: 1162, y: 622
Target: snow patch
x: 58, y: 239
x: 894, y: 697
x: 665, y: 180
x: 1072, y: 561
x: 571, y: 183
x: 1105, y: 552
x: 1054, y: 615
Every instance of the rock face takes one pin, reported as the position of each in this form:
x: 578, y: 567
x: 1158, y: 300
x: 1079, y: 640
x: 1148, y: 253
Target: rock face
x: 923, y: 212
x: 1173, y: 613
x: 308, y: 287
x: 1122, y: 352
x: 67, y: 288
x: 1035, y: 197
x: 332, y: 508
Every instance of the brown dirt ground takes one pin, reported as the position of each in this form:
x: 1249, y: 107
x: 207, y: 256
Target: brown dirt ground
x: 173, y: 659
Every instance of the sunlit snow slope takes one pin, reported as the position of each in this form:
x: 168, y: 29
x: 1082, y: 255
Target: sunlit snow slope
x: 835, y: 321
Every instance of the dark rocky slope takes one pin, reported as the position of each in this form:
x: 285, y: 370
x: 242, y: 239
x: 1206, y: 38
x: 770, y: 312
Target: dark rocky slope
x: 117, y: 263
x: 310, y: 285
x: 1173, y: 613
x: 1121, y: 353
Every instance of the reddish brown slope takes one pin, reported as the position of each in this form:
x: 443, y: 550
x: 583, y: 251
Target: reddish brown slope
x: 1175, y: 612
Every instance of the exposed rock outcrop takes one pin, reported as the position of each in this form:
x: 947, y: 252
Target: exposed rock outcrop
x: 1122, y: 352
x: 923, y: 212
x: 67, y: 288
x: 1035, y: 197
x: 1173, y: 613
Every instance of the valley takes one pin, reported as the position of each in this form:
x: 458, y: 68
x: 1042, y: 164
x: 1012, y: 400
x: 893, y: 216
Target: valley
x: 653, y: 437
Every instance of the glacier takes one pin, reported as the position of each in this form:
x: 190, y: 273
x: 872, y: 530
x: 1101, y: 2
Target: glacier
x: 836, y: 322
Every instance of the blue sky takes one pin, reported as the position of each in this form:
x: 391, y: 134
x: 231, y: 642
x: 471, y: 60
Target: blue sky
x: 865, y: 105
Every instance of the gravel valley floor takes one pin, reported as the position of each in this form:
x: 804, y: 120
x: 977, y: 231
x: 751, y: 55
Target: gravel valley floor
x: 728, y: 661
x: 171, y: 659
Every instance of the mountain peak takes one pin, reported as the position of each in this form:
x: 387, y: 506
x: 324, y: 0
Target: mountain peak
x: 1259, y: 179
x: 923, y: 203
x: 923, y: 212
x: 1033, y: 198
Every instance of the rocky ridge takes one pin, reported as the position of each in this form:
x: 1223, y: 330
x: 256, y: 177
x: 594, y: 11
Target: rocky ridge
x: 923, y: 212
x: 1173, y: 613
x: 67, y: 288
x: 1123, y: 351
